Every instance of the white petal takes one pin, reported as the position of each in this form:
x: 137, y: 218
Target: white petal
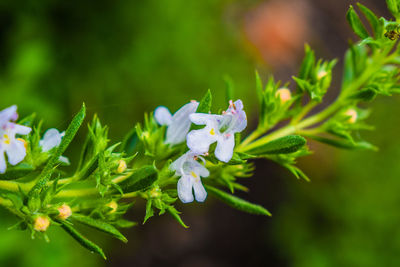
x: 162, y: 115
x: 16, y: 152
x: 52, y: 138
x: 199, y: 141
x: 201, y: 170
x: 199, y: 192
x: 20, y: 129
x: 203, y: 118
x: 178, y: 164
x: 3, y: 164
x: 180, y: 125
x: 64, y: 160
x: 224, y: 149
x: 8, y: 114
x: 185, y: 185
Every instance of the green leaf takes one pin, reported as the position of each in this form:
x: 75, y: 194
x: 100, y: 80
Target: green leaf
x: 149, y: 211
x: 373, y: 20
x: 86, y: 243
x: 284, y: 145
x: 259, y: 87
x: 237, y: 203
x: 307, y: 64
x: 205, y: 103
x: 366, y: 95
x: 69, y: 135
x: 393, y: 7
x: 129, y: 143
x: 356, y: 24
x: 174, y: 213
x: 344, y: 143
x: 122, y: 223
x: 15, y: 172
x: 140, y: 179
x: 99, y: 225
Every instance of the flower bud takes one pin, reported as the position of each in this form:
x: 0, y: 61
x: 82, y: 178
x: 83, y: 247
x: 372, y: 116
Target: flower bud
x: 352, y: 114
x: 321, y: 74
x: 155, y: 192
x: 283, y: 94
x: 113, y: 205
x: 64, y: 212
x: 41, y: 223
x: 121, y: 166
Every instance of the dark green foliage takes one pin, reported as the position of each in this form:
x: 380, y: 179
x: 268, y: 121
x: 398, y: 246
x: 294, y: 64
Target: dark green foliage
x: 283, y: 145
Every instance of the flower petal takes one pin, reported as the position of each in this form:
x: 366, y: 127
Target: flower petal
x: 199, y: 141
x: 224, y: 149
x: 203, y: 118
x: 201, y: 170
x: 199, y: 192
x: 20, y: 129
x: 162, y: 115
x: 3, y: 164
x: 180, y: 125
x: 8, y: 114
x: 16, y: 152
x: 64, y: 160
x: 52, y: 138
x: 185, y: 185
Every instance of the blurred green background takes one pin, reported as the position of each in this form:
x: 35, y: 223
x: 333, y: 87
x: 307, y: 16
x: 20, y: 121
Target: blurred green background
x: 124, y: 58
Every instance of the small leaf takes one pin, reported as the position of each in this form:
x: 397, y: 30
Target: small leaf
x: 86, y: 243
x: 149, y: 211
x: 366, y: 95
x: 307, y: 64
x: 345, y: 143
x: 284, y: 145
x: 393, y: 7
x: 356, y: 24
x: 122, y: 223
x: 237, y: 203
x: 259, y: 87
x: 100, y: 225
x: 205, y: 103
x: 372, y: 19
x: 69, y: 135
x: 176, y: 216
x: 140, y: 179
x: 18, y: 171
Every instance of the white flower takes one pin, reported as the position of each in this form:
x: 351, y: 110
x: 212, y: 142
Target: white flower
x: 218, y: 128
x: 15, y: 148
x: 178, y: 124
x: 190, y: 171
x: 51, y: 139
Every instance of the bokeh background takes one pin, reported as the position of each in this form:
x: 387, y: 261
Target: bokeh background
x: 124, y: 58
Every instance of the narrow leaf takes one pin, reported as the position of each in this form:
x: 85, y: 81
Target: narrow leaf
x: 69, y: 135
x: 284, y: 145
x: 100, y: 225
x: 356, y: 24
x: 86, y: 243
x: 372, y: 19
x: 205, y: 103
x: 140, y: 179
x: 237, y: 203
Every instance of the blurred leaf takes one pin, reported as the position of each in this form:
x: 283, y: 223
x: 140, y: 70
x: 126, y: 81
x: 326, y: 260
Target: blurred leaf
x: 237, y: 203
x: 284, y: 145
x: 205, y: 103
x: 356, y: 23
x: 373, y: 20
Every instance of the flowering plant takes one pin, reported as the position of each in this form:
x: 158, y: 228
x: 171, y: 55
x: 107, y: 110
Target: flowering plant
x: 193, y: 152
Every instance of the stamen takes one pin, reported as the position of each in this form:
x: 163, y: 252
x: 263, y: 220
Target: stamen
x: 212, y: 131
